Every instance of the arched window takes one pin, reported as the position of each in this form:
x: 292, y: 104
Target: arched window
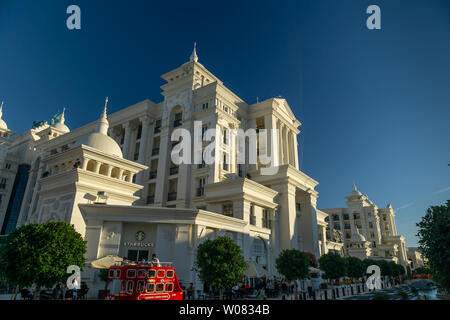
x: 103, y: 169
x: 91, y: 166
x: 115, y: 173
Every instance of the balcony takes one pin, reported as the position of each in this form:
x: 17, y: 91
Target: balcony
x: 171, y: 196
x: 151, y: 199
x: 200, y: 192
x: 153, y: 174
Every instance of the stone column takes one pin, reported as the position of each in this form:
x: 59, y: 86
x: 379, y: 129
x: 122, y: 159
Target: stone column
x: 294, y: 139
x: 184, y: 192
x: 308, y: 223
x: 127, y: 140
x: 143, y: 148
x: 161, y: 178
x: 287, y: 219
x: 286, y: 144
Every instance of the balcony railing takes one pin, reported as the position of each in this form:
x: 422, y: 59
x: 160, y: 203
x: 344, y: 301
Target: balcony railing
x: 171, y: 196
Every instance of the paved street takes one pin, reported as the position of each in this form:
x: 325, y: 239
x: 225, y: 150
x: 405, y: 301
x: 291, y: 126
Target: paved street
x: 392, y: 292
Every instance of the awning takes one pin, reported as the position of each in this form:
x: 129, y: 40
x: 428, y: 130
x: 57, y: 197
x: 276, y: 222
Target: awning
x: 106, y: 262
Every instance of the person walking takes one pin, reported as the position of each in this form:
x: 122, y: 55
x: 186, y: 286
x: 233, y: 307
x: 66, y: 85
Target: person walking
x: 191, y: 291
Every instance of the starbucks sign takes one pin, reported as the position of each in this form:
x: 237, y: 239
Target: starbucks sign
x: 140, y: 235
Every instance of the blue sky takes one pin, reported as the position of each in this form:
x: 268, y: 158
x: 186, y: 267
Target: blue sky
x: 374, y: 104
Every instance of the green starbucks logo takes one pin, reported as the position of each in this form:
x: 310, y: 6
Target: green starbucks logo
x: 140, y: 235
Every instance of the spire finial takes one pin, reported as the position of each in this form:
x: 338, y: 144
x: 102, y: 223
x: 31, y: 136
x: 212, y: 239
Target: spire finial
x: 62, y: 119
x: 106, y: 105
x: 103, y: 122
x: 1, y: 109
x: 194, y: 56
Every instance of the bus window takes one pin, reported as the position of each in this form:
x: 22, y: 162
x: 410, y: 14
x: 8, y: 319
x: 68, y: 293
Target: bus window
x: 150, y: 287
x: 140, y: 286
x: 118, y: 273
x: 123, y: 286
x: 130, y: 286
x: 111, y: 273
x: 131, y: 273
x: 151, y: 273
x: 169, y: 274
x: 141, y: 273
x: 161, y: 273
x: 169, y: 287
x: 160, y: 287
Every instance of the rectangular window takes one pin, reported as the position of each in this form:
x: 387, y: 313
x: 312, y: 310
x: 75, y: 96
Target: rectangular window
x: 150, y: 287
x: 152, y: 273
x: 160, y: 287
x: 130, y: 286
x: 228, y: 209
x: 169, y: 274
x: 161, y: 273
x: 169, y: 287
x: 131, y: 273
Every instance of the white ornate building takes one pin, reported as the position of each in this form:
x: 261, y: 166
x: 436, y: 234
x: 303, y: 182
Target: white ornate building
x: 115, y: 181
x: 367, y: 230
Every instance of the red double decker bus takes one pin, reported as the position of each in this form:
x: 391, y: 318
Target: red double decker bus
x: 136, y: 281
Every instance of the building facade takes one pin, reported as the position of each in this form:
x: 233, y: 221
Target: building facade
x: 114, y: 179
x: 366, y: 230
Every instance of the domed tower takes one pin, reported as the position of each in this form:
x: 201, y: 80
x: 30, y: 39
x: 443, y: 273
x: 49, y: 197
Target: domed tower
x: 359, y: 247
x: 93, y: 171
x: 5, y: 133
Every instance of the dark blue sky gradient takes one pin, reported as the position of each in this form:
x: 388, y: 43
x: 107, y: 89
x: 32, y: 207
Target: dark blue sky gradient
x: 375, y: 105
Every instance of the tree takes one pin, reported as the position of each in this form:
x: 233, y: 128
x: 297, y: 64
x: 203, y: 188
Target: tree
x: 434, y: 242
x: 41, y: 253
x: 103, y: 276
x: 220, y: 263
x: 334, y: 265
x: 293, y: 264
x: 355, y: 268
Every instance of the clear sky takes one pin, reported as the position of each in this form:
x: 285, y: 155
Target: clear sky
x: 374, y: 104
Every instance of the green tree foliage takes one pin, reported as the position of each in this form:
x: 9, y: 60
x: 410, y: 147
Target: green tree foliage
x: 422, y: 270
x: 293, y: 264
x: 41, y: 253
x: 220, y: 263
x: 434, y: 242
x: 355, y: 268
x: 334, y: 265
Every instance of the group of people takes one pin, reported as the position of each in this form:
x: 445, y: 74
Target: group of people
x: 58, y: 292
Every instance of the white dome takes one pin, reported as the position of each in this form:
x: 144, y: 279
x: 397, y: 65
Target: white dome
x: 100, y: 142
x: 355, y: 192
x: 3, y: 125
x: 62, y: 127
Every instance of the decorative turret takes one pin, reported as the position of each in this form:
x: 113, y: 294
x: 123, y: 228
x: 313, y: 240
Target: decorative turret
x: 60, y: 125
x: 194, y: 56
x: 2, y: 122
x: 100, y: 139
